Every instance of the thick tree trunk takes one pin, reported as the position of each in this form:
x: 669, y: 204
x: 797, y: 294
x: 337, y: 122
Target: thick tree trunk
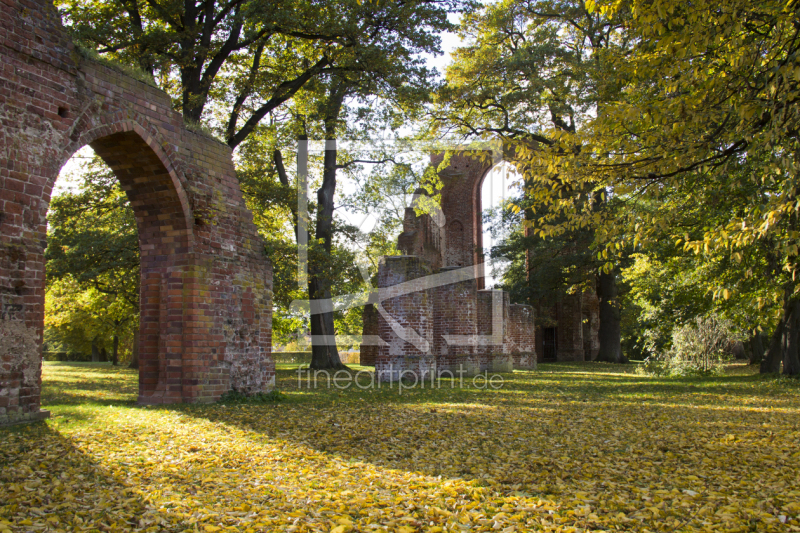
x: 609, y: 334
x: 757, y: 348
x: 95, y: 351
x: 325, y: 355
x: 115, y: 351
x: 791, y: 362
x: 135, y: 350
x: 103, y: 355
x: 772, y: 361
x: 783, y: 348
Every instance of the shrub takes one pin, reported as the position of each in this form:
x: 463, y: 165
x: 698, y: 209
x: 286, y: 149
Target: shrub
x: 235, y: 397
x: 699, y: 348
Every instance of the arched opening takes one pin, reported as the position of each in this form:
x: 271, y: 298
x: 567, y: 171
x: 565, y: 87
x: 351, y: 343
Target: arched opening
x: 156, y: 207
x: 92, y: 284
x: 491, y: 194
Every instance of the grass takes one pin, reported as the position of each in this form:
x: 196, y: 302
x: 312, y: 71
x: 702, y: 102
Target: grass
x: 583, y: 447
x: 129, y: 70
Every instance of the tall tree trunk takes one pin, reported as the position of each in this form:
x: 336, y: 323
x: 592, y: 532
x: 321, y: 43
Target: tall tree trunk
x: 325, y: 355
x: 95, y: 351
x: 609, y: 334
x: 135, y: 350
x: 783, y: 347
x: 103, y: 355
x: 791, y: 362
x: 757, y: 348
x: 115, y: 351
x: 772, y: 361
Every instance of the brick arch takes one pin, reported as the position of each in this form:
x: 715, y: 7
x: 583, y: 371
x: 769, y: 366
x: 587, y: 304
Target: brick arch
x: 165, y: 238
x: 206, y: 282
x: 461, y: 200
x: 143, y: 134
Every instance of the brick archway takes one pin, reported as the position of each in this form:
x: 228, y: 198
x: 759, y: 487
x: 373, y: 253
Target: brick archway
x: 164, y: 244
x: 206, y: 293
x: 461, y: 201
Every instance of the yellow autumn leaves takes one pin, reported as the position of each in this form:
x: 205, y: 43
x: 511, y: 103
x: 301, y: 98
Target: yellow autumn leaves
x: 571, y: 448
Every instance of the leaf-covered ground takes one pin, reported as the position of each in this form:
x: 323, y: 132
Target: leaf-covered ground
x: 587, y: 447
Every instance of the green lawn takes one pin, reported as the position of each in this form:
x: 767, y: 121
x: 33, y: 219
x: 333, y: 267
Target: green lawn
x: 583, y: 447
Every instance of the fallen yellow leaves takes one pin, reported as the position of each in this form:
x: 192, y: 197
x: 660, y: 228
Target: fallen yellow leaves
x: 550, y: 452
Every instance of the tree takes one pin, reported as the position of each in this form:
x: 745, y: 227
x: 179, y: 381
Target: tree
x: 83, y: 319
x: 531, y: 75
x: 92, y: 259
x: 703, y: 105
x: 370, y: 95
x: 246, y: 58
x: 298, y: 62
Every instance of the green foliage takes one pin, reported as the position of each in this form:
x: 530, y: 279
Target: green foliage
x: 666, y: 129
x: 79, y: 319
x: 698, y: 348
x: 238, y: 398
x: 232, y: 63
x: 696, y: 110
x: 92, y: 265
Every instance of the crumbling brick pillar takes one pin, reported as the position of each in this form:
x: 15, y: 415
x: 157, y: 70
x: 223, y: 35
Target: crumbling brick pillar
x: 520, y: 341
x: 591, y: 325
x: 206, y: 284
x: 570, y: 328
x: 405, y: 319
x: 490, y: 354
x: 455, y: 323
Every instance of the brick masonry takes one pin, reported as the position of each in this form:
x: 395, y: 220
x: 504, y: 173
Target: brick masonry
x: 576, y: 318
x: 435, y: 328
x: 206, y: 291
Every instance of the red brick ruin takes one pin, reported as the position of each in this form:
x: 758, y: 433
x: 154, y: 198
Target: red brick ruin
x: 434, y: 306
x: 206, y: 284
x: 434, y: 315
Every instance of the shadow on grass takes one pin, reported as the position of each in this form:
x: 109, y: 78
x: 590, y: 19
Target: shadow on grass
x: 624, y: 455
x: 624, y: 444
x: 68, y: 383
x: 50, y: 484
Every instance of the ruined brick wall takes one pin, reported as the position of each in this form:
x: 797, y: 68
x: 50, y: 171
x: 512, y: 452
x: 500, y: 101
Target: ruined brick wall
x: 455, y: 325
x: 493, y: 307
x: 436, y: 300
x: 368, y: 353
x: 590, y: 309
x: 422, y: 236
x: 520, y: 341
x: 570, y: 328
x: 576, y: 319
x: 461, y: 207
x: 405, y: 318
x: 206, y: 291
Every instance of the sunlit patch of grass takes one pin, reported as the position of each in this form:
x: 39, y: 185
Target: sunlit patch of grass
x: 594, y: 447
x: 77, y: 383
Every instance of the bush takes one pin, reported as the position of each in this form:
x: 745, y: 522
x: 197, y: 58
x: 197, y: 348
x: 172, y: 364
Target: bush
x: 66, y: 356
x: 700, y: 348
x: 235, y: 397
